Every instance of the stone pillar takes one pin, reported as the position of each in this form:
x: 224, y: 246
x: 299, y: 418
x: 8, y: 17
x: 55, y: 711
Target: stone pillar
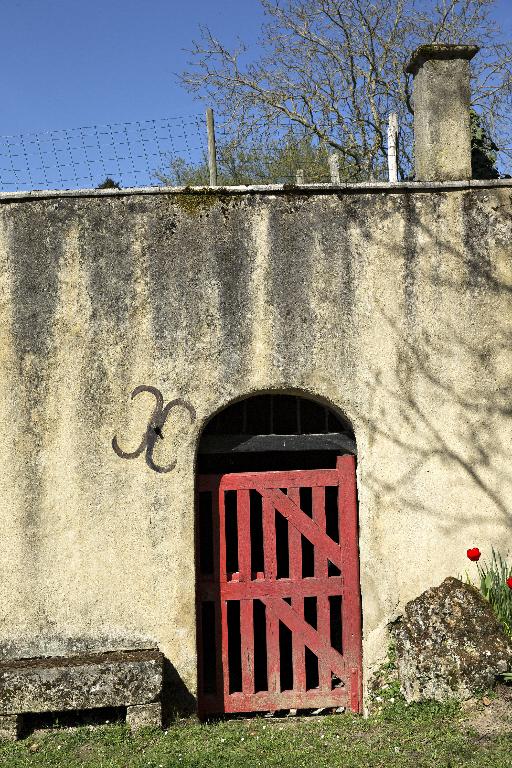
x: 442, y: 136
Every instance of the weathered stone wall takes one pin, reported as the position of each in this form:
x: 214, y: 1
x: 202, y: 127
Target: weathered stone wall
x: 392, y: 305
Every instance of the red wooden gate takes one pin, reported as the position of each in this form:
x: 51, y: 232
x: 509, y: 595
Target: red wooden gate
x: 278, y: 597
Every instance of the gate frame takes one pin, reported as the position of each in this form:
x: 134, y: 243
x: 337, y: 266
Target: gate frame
x: 351, y: 596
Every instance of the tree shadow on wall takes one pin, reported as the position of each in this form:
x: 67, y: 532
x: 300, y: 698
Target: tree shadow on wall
x: 446, y: 395
x: 422, y: 393
x: 433, y: 424
x: 438, y: 409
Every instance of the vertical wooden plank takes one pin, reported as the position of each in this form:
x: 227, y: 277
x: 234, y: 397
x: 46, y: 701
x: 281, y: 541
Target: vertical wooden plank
x: 273, y: 665
x: 246, y: 607
x: 271, y: 622
x: 269, y: 538
x: 223, y: 603
x: 216, y: 533
x: 351, y: 602
x: 356, y: 691
x: 318, y: 494
x: 294, y: 541
x: 220, y: 536
x: 247, y: 645
x: 243, y: 505
x: 295, y: 560
x: 323, y: 621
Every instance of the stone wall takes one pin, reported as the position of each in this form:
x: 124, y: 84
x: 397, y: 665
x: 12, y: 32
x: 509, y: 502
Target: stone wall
x: 392, y: 304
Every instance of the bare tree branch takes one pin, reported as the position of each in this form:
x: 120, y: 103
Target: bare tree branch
x: 334, y: 70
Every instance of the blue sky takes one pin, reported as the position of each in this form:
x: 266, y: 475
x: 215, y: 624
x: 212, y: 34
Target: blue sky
x: 73, y: 63
x: 69, y: 63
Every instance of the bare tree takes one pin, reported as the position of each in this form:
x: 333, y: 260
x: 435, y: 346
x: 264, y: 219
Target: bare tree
x: 334, y: 69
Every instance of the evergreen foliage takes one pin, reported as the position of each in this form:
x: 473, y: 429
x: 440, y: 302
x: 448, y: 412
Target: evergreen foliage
x: 109, y: 184
x: 483, y: 150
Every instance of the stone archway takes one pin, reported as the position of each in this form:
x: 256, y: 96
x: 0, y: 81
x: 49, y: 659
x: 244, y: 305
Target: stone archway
x: 278, y: 598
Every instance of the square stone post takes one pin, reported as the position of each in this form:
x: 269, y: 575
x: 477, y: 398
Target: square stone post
x: 441, y: 99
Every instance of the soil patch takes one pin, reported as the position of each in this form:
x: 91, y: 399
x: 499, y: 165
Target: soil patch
x: 495, y: 719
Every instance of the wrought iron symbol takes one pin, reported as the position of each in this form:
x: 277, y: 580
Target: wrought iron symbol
x: 155, y: 428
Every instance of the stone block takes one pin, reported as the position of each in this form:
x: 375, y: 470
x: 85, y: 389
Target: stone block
x: 121, y: 678
x: 143, y: 715
x: 10, y: 727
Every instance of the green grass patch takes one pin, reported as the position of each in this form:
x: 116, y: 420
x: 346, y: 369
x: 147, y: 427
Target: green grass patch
x: 399, y: 736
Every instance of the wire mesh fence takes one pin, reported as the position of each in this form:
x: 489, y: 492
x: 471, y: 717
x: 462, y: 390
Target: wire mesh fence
x: 171, y: 151
x: 130, y: 154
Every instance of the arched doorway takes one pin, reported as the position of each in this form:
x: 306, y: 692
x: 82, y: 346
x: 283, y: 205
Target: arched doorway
x: 277, y: 566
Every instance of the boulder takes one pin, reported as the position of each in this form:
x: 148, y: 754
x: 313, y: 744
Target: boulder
x: 449, y: 644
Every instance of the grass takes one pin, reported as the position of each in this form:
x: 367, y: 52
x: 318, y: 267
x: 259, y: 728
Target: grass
x: 398, y: 737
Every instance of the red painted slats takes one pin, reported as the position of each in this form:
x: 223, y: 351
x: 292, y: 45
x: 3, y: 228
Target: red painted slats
x: 351, y: 605
x: 223, y: 605
x: 235, y: 590
x: 269, y: 538
x: 247, y: 645
x: 244, y: 534
x: 315, y: 642
x: 295, y: 479
x: 351, y: 617
x: 297, y: 604
x: 318, y: 495
x: 305, y: 525
x: 219, y: 674
x: 273, y: 666
x: 294, y: 540
x: 272, y: 591
x: 271, y: 623
x: 246, y: 605
x: 224, y: 647
x: 263, y: 701
x: 221, y: 536
x: 322, y: 603
x: 323, y: 627
x: 356, y: 692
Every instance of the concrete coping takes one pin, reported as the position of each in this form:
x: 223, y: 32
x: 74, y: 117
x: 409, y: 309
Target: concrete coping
x: 265, y: 189
x: 438, y: 51
x: 80, y: 660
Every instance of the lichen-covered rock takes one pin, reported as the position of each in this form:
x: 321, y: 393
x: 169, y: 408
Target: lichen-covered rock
x: 449, y: 644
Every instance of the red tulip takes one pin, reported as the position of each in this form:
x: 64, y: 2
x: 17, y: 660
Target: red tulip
x: 509, y: 582
x: 474, y: 554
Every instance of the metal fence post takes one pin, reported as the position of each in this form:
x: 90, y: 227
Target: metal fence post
x: 212, y: 149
